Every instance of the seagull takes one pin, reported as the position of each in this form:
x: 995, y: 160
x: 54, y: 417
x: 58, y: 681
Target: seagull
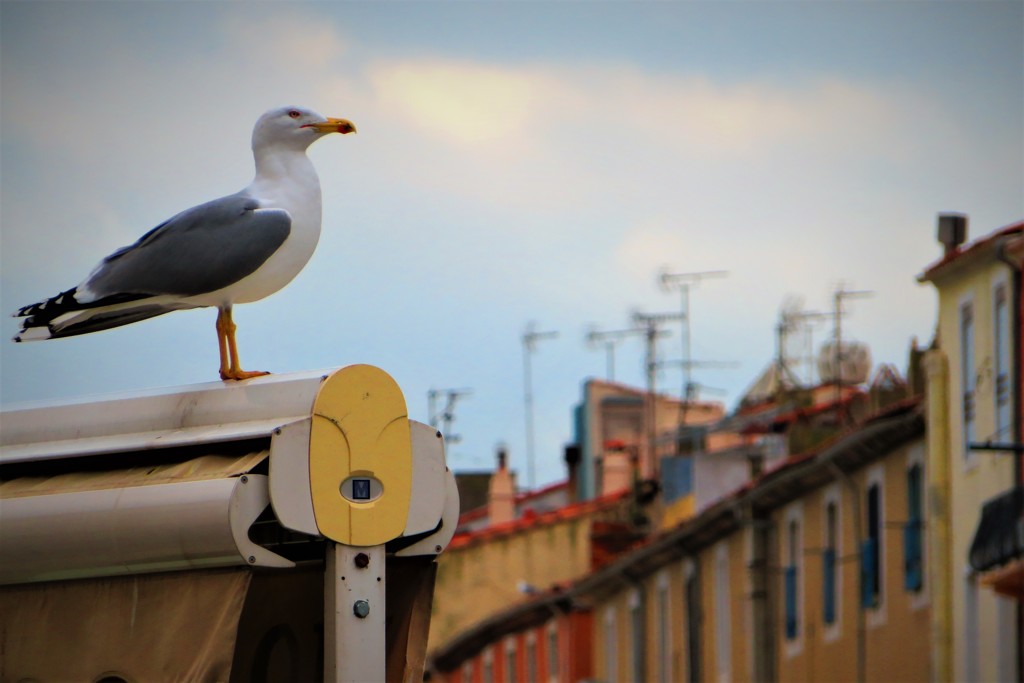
x: 233, y: 250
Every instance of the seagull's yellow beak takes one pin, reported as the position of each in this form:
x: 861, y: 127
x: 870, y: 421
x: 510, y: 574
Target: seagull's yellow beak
x: 343, y: 126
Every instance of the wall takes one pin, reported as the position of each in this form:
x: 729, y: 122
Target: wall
x: 821, y: 651
x: 978, y: 623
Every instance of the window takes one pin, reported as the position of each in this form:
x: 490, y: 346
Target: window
x: 967, y: 373
x: 553, y: 651
x: 638, y: 635
x: 611, y: 646
x: 664, y: 631
x: 723, y: 612
x: 531, y: 657
x: 790, y: 580
x: 693, y: 621
x: 1002, y: 334
x: 510, y: 661
x: 870, y: 556
x: 489, y: 666
x: 913, y: 555
x: 828, y: 557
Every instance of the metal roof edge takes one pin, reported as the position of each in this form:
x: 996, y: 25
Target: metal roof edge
x: 154, y: 418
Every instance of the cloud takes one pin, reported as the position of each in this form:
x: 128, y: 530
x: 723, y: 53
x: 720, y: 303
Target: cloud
x: 468, y: 103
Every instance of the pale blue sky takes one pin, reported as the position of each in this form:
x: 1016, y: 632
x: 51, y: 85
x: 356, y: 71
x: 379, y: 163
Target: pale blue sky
x: 515, y: 161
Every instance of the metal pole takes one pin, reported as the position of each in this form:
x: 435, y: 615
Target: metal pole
x: 528, y: 401
x: 530, y: 339
x: 354, y: 624
x: 610, y: 365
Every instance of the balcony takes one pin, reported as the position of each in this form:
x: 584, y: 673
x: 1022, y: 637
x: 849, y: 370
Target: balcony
x: 998, y: 545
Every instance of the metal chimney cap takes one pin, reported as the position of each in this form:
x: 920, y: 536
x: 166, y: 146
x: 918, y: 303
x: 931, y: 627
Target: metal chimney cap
x: 952, y: 230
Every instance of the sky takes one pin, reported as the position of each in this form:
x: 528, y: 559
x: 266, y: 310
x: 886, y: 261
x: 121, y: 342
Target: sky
x: 516, y: 163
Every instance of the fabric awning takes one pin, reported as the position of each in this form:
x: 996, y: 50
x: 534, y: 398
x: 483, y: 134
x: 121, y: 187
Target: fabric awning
x: 177, y: 626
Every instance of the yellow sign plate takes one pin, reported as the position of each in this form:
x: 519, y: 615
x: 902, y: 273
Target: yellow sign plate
x: 360, y: 437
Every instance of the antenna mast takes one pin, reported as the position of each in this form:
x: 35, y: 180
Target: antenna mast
x: 683, y: 282
x: 609, y: 339
x: 530, y: 339
x: 446, y: 416
x: 840, y: 295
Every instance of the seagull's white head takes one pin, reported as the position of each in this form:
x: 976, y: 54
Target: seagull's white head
x: 295, y: 127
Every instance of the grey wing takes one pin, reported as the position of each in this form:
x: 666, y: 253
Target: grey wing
x: 200, y: 250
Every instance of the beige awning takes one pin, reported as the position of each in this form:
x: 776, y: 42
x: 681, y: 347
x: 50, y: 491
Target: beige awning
x: 150, y: 628
x: 196, y: 469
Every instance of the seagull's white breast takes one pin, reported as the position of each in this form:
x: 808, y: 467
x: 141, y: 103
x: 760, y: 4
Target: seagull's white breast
x: 294, y: 187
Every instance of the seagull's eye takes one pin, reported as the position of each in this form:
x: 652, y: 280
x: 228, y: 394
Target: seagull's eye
x: 294, y: 113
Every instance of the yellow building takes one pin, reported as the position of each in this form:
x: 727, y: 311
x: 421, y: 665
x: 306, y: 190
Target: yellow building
x: 814, y: 572
x: 510, y: 553
x: 486, y: 571
x: 973, y: 377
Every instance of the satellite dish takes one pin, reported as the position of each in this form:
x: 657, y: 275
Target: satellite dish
x: 854, y: 362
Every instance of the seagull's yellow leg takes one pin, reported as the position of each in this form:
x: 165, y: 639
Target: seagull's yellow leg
x: 226, y: 330
x: 222, y: 342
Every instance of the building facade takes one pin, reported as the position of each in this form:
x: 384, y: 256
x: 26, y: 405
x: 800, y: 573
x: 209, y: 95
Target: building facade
x: 974, y: 388
x: 814, y: 571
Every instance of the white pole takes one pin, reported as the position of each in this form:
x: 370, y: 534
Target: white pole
x: 354, y: 643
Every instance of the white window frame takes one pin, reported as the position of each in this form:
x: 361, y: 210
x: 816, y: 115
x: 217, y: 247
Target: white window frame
x: 916, y: 456
x: 690, y: 568
x: 611, y: 644
x: 876, y: 616
x: 637, y: 641
x: 833, y: 494
x: 723, y: 614
x: 967, y: 369
x: 795, y: 513
x: 551, y: 645
x: 1002, y: 432
x: 663, y: 591
x: 487, y: 674
x: 511, y: 660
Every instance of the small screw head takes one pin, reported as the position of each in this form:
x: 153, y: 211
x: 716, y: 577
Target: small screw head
x: 361, y: 609
x: 438, y: 548
x: 362, y: 560
x: 245, y: 479
x: 252, y: 559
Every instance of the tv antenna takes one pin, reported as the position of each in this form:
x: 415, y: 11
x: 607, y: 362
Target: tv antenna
x: 609, y: 339
x: 795, y: 321
x: 650, y: 325
x: 530, y: 338
x: 446, y: 416
x: 683, y: 282
x: 841, y: 294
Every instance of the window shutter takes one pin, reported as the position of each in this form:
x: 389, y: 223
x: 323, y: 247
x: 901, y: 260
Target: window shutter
x: 791, y: 616
x: 868, y: 590
x: 829, y: 585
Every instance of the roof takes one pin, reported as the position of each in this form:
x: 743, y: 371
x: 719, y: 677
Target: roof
x: 968, y: 252
x: 868, y: 441
x: 773, y: 380
x: 522, y: 499
x: 532, y: 520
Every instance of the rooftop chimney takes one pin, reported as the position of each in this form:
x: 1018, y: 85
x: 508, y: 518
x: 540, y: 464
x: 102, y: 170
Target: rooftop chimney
x: 573, y: 456
x: 952, y: 231
x: 501, y: 494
